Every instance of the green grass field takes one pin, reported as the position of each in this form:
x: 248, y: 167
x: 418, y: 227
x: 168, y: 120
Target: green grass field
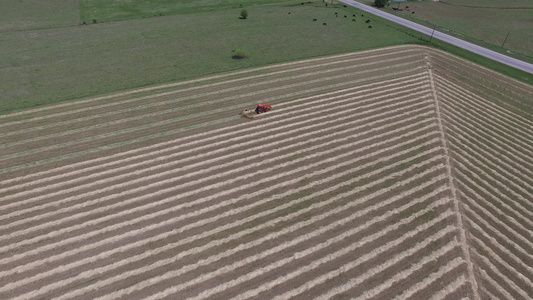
x: 483, y: 22
x: 46, y: 66
x: 48, y: 57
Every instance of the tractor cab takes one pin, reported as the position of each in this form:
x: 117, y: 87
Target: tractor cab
x: 262, y: 108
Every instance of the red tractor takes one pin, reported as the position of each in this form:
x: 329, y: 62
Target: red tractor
x: 262, y: 108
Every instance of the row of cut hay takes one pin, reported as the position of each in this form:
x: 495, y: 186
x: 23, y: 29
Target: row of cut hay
x: 515, y: 141
x: 19, y: 282
x: 213, y: 80
x: 494, y: 118
x: 215, y: 138
x: 512, y: 230
x: 236, y: 138
x: 307, y: 267
x: 45, y: 197
x: 201, y: 162
x: 495, y: 187
x: 347, y: 163
x: 511, y: 162
x: 150, y: 204
x: 205, y: 107
x: 520, y: 189
x: 181, y: 104
x: 73, y: 216
x: 161, y: 103
x: 316, y: 231
x: 302, y: 224
x: 503, y: 81
x: 496, y: 88
x: 121, y: 138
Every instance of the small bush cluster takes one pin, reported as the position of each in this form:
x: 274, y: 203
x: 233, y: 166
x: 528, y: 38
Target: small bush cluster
x: 238, y: 53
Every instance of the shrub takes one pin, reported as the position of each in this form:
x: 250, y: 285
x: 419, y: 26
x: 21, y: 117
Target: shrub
x: 238, y: 53
x: 244, y: 14
x: 380, y: 3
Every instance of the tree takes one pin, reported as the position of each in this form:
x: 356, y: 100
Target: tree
x: 380, y: 3
x: 244, y: 14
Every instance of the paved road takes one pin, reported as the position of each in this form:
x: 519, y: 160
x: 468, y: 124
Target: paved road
x: 513, y: 62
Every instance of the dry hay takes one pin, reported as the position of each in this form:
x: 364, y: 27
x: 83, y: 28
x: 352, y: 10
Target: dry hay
x: 393, y: 180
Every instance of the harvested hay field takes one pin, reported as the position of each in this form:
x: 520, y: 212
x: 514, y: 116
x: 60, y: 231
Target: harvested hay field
x: 400, y: 173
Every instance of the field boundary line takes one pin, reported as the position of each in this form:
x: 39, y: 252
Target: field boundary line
x: 212, y: 77
x: 461, y: 228
x: 233, y: 88
x: 162, y: 122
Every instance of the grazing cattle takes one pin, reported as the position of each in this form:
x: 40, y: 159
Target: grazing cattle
x: 289, y: 12
x: 353, y: 15
x: 367, y: 21
x: 314, y: 19
x: 353, y: 20
x: 345, y: 16
x: 324, y: 23
x: 345, y: 6
x: 369, y: 26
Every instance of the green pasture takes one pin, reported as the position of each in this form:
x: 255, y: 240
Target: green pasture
x: 39, y: 67
x: 46, y: 56
x: 114, y: 10
x: 37, y: 14
x: 501, y: 25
